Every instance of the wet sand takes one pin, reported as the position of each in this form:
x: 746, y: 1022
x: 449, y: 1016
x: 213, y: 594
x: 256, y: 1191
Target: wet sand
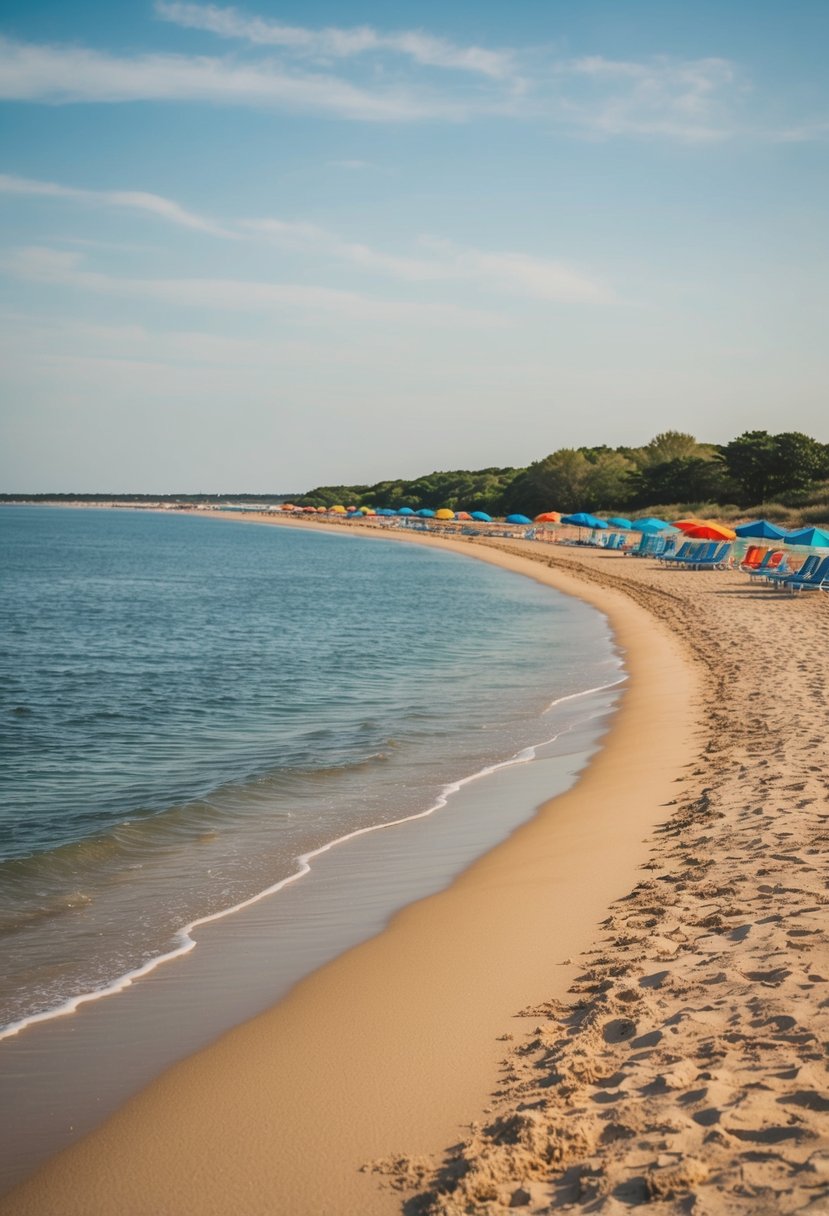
x: 677, y: 1011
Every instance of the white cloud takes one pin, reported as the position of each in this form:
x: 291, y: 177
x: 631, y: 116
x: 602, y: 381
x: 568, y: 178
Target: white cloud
x: 67, y: 74
x: 333, y: 42
x: 135, y: 200
x: 680, y: 99
x: 513, y: 272
x: 40, y: 264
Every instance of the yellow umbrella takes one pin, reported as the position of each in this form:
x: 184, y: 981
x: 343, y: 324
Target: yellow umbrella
x: 338, y: 510
x: 444, y: 513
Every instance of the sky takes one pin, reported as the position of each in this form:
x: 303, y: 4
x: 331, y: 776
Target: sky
x: 266, y: 247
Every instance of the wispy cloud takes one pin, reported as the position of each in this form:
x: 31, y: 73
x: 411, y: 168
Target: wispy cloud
x: 436, y: 260
x: 502, y: 271
x: 41, y: 264
x: 133, y: 200
x: 689, y: 100
x: 70, y: 74
x: 336, y: 43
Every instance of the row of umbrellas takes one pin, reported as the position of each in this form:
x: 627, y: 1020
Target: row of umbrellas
x: 694, y: 529
x: 706, y: 529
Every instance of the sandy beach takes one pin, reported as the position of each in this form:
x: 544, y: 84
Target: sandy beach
x: 625, y: 1003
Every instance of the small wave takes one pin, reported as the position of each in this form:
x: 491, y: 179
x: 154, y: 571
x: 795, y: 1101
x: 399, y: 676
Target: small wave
x: 585, y: 692
x: 184, y: 941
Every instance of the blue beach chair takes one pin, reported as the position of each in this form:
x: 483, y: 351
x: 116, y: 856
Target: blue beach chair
x: 816, y: 580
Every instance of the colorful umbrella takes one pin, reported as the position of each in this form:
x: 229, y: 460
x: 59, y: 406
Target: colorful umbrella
x: 549, y: 517
x: 815, y: 538
x: 518, y: 519
x: 651, y: 525
x: 338, y: 510
x: 482, y: 517
x: 444, y: 513
x: 405, y: 511
x: 710, y: 531
x: 618, y: 521
x: 583, y: 520
x: 761, y: 529
x: 462, y: 515
x: 425, y: 513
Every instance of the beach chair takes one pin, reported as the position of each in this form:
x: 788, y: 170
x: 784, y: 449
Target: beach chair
x: 700, y: 551
x: 816, y: 580
x: 771, y: 561
x: 773, y: 577
x: 717, y: 558
x: 754, y: 556
x: 684, y: 550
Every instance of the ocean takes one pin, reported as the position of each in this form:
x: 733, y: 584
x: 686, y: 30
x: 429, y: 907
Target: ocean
x: 192, y: 707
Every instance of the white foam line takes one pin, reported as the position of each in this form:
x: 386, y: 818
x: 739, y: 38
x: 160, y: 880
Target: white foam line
x: 184, y: 935
x: 574, y: 696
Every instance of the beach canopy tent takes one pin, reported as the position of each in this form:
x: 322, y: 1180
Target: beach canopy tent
x: 619, y: 521
x: 815, y: 538
x: 761, y: 529
x: 405, y: 511
x: 548, y: 517
x: 444, y: 513
x: 482, y: 517
x: 518, y: 519
x: 651, y: 525
x: 425, y: 513
x: 583, y: 520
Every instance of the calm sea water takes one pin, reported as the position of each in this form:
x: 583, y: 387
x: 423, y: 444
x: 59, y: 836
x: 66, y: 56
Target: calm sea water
x: 188, y: 705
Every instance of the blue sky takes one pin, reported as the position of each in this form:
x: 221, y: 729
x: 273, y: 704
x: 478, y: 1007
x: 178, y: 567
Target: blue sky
x: 270, y: 246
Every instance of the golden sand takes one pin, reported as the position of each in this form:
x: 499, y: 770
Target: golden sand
x: 466, y: 1063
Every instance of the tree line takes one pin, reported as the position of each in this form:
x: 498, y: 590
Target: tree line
x: 673, y: 467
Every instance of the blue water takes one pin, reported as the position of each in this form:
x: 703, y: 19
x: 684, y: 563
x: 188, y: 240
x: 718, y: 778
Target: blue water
x: 187, y: 704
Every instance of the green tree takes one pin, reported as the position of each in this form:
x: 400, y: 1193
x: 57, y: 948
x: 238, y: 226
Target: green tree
x: 765, y: 466
x: 667, y: 446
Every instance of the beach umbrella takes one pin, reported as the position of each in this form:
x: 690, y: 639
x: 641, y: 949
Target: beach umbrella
x: 618, y: 521
x: 761, y: 529
x: 385, y: 511
x: 309, y: 510
x: 548, y: 517
x: 518, y: 519
x: 583, y: 520
x: 707, y: 530
x: 366, y: 510
x: 288, y: 506
x: 815, y: 538
x: 425, y: 513
x: 688, y: 525
x: 405, y: 511
x: 462, y: 515
x: 444, y: 513
x: 482, y: 517
x: 651, y: 525
x: 338, y: 510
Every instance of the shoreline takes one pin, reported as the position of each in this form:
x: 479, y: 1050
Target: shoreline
x: 580, y: 930
x: 183, y: 937
x: 680, y: 1060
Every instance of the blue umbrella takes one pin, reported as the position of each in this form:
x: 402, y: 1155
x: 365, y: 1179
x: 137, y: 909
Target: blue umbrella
x: 813, y: 537
x: 385, y: 511
x: 583, y: 520
x: 425, y: 513
x: 619, y: 521
x: 652, y: 525
x: 518, y: 519
x: 482, y: 517
x: 761, y: 529
x: 405, y: 511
